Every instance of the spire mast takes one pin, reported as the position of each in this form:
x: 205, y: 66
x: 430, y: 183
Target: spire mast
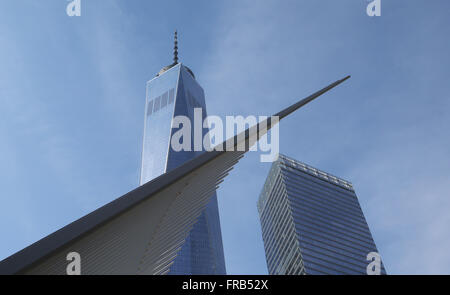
x: 175, y: 50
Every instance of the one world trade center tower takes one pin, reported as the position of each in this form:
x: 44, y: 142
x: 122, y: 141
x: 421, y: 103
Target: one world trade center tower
x: 175, y: 92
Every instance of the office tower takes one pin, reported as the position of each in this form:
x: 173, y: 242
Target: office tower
x: 115, y: 239
x: 312, y: 222
x: 175, y: 92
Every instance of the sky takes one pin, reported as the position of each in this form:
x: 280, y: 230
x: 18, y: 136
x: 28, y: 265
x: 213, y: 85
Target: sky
x: 72, y: 97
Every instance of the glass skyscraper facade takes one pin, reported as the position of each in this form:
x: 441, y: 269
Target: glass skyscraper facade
x: 312, y: 222
x: 175, y: 92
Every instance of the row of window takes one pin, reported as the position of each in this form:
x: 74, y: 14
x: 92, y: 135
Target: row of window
x: 268, y: 187
x: 320, y: 174
x: 319, y: 193
x: 314, y: 171
x: 160, y: 102
x: 167, y: 98
x: 343, y: 193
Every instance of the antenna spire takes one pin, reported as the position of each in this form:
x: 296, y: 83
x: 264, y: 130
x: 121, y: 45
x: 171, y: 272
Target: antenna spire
x: 175, y: 49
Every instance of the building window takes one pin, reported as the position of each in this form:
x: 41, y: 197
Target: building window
x: 150, y: 107
x: 171, y: 95
x: 164, y: 99
x: 157, y: 104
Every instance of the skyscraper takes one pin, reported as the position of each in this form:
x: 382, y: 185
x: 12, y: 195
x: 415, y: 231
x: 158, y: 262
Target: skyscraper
x: 141, y: 231
x: 312, y: 222
x: 175, y: 92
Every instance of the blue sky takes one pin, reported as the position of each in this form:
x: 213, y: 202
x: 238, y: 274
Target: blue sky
x: 72, y: 96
